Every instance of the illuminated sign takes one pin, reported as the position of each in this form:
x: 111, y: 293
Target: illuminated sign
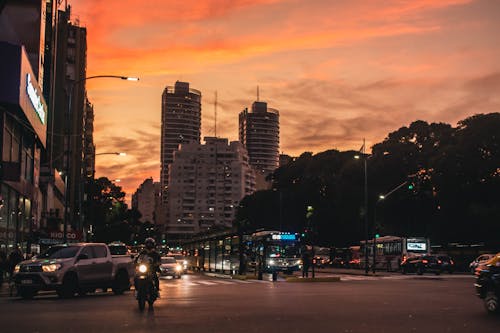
x: 35, y: 99
x: 287, y: 237
x: 416, y: 246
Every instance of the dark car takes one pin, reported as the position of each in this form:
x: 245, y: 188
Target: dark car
x: 421, y: 265
x: 488, y: 285
x: 447, y: 264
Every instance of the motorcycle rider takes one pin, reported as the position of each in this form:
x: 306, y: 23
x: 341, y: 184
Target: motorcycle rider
x: 150, y: 251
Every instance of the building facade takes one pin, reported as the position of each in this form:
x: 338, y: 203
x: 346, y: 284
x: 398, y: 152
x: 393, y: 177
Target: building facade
x: 180, y: 123
x: 144, y: 200
x: 259, y: 131
x: 23, y: 124
x: 207, y: 183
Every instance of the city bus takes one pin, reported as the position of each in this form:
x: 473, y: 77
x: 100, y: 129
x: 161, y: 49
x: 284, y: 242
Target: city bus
x: 275, y: 251
x: 392, y: 250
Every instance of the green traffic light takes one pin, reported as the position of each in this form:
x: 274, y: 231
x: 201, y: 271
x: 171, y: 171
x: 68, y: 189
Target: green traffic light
x: 410, y: 187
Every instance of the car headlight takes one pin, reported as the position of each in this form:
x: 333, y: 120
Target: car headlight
x: 178, y: 268
x: 143, y: 268
x: 298, y: 262
x: 272, y: 262
x: 17, y: 268
x: 51, y: 267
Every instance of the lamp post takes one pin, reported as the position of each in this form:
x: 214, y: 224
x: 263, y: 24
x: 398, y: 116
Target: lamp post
x: 363, y: 152
x: 68, y: 142
x: 381, y: 198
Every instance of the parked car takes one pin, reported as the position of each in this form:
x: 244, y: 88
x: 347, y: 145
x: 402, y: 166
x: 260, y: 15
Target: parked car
x: 488, y: 284
x: 74, y: 268
x: 170, y: 267
x: 421, y: 265
x: 447, y: 264
x: 480, y: 261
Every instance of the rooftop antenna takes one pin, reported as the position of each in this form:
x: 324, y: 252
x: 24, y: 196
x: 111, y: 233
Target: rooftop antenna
x: 215, y: 114
x: 257, y: 93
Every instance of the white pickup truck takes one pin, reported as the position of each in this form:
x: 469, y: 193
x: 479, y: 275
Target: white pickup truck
x: 74, y: 268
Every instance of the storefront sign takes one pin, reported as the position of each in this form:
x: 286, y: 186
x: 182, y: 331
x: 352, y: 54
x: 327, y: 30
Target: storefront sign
x: 35, y: 99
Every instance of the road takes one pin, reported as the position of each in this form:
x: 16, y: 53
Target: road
x: 199, y: 303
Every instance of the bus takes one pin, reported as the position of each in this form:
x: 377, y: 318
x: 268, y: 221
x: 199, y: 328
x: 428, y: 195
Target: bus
x: 391, y: 250
x: 275, y: 251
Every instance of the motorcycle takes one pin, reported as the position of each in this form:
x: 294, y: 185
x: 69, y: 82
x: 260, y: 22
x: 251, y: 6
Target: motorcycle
x: 144, y: 281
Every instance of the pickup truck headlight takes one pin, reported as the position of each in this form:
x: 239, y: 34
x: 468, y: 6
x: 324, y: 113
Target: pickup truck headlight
x: 17, y: 268
x: 51, y: 267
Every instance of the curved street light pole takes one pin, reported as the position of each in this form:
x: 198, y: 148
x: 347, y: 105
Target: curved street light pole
x: 68, y: 142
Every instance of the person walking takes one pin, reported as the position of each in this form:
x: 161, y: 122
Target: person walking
x: 3, y: 266
x: 306, y: 262
x: 15, y: 257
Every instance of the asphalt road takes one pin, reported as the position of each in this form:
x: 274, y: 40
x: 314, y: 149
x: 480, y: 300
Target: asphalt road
x: 197, y: 303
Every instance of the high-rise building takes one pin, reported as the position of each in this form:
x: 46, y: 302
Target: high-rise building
x: 206, y: 185
x: 180, y: 123
x: 144, y: 201
x: 259, y: 132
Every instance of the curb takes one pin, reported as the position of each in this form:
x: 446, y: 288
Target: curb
x: 315, y: 279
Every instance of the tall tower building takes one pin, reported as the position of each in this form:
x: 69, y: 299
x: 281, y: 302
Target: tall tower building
x: 207, y: 183
x: 259, y: 132
x: 180, y: 123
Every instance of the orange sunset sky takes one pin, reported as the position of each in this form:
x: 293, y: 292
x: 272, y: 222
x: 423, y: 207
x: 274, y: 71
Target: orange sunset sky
x: 337, y: 70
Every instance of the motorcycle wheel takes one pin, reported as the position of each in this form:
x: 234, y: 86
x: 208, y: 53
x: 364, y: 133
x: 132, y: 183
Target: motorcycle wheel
x: 491, y: 302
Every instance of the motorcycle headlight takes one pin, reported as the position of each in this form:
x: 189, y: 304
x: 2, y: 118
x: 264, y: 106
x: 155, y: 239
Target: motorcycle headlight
x: 143, y: 268
x: 17, y: 268
x: 51, y: 267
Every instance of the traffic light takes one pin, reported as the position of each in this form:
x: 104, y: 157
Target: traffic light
x: 411, y: 186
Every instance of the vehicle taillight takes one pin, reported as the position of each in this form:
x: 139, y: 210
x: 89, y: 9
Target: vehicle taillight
x: 451, y: 262
x: 439, y: 261
x: 425, y: 261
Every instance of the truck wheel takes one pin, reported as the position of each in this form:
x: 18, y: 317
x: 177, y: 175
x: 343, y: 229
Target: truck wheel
x: 69, y: 287
x: 491, y: 302
x: 121, y: 283
x: 27, y: 293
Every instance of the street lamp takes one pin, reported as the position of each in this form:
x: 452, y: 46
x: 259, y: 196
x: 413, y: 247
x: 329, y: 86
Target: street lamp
x: 68, y: 139
x: 363, y: 153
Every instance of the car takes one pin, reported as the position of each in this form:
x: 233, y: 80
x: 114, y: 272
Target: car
x: 181, y: 260
x: 447, y: 263
x: 480, y: 261
x: 488, y: 284
x: 74, y: 268
x: 421, y: 265
x: 170, y: 267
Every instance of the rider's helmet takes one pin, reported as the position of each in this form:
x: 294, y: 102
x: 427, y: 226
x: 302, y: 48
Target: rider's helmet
x: 150, y: 243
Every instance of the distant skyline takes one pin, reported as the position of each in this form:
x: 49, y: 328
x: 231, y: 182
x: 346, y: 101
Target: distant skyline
x: 338, y: 71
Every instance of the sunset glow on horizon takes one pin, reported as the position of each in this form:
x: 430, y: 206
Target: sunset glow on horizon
x: 337, y: 71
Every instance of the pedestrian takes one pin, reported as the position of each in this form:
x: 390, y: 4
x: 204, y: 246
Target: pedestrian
x: 15, y: 257
x: 3, y: 266
x: 306, y: 262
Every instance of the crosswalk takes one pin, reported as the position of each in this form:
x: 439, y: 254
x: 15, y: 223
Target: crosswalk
x: 403, y: 277
x: 212, y: 282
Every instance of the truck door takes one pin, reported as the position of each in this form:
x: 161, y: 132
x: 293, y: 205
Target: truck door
x: 84, y: 266
x: 103, y: 263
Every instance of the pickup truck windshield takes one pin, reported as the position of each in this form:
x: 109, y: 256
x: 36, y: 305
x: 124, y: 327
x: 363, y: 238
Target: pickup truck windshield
x: 118, y: 250
x: 59, y: 252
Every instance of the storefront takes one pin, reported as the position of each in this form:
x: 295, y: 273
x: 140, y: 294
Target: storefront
x: 23, y: 127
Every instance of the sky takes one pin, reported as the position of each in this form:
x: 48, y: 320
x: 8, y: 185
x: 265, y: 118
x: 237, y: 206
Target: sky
x: 338, y: 71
